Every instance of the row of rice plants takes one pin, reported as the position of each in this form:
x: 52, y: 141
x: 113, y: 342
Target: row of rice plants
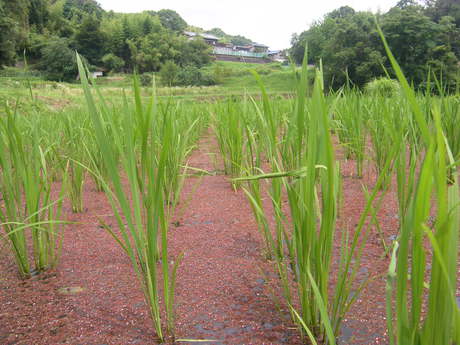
x: 150, y: 144
x: 292, y: 140
x: 136, y: 153
x: 420, y: 311
x: 28, y: 211
x: 297, y: 145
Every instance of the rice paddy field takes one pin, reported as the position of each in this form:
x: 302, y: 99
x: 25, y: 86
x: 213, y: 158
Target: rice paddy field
x: 132, y: 216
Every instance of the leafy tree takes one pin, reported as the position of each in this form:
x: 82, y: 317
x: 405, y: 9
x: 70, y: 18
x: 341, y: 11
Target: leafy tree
x: 113, y: 62
x: 58, y: 60
x: 172, y: 20
x: 347, y: 43
x: 147, y: 25
x: 217, y: 32
x: 13, y: 24
x: 236, y: 40
x: 343, y: 12
x: 57, y: 24
x: 38, y: 14
x: 194, y: 52
x: 411, y: 36
x: 78, y: 9
x: 123, y: 49
x: 150, y: 52
x: 441, y: 8
x: 168, y: 73
x: 89, y: 39
x: 239, y: 40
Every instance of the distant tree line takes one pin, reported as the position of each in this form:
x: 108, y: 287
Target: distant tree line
x: 423, y: 36
x: 50, y: 31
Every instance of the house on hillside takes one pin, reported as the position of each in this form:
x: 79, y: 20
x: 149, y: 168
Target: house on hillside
x: 209, y: 39
x: 259, y: 48
x: 255, y: 52
x: 247, y: 48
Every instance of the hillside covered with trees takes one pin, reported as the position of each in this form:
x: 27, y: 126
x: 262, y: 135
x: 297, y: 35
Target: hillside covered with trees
x: 49, y: 32
x: 423, y: 36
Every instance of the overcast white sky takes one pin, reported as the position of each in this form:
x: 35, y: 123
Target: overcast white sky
x: 270, y: 22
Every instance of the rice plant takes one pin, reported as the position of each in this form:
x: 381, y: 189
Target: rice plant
x: 412, y: 319
x: 28, y: 212
x: 351, y: 120
x: 74, y: 154
x: 312, y: 188
x: 229, y: 129
x: 144, y: 138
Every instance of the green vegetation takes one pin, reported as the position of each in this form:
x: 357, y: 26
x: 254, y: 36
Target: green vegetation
x: 50, y: 31
x: 423, y: 37
x: 280, y: 131
x: 29, y: 212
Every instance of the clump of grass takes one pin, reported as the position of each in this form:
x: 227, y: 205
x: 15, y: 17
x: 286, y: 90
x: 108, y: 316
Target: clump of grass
x: 300, y: 149
x: 229, y: 129
x: 351, y: 123
x: 383, y: 86
x: 437, y: 185
x: 74, y: 154
x: 145, y: 137
x: 27, y: 205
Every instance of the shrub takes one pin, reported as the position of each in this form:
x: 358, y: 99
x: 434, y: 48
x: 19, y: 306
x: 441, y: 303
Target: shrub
x: 168, y: 73
x: 146, y: 79
x: 58, y: 61
x: 193, y: 76
x: 113, y: 62
x: 383, y: 86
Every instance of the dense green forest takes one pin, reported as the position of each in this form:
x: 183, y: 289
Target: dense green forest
x: 423, y: 36
x: 49, y: 31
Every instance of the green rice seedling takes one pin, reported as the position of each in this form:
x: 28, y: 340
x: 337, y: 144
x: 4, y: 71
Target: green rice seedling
x: 253, y: 189
x: 438, y: 320
x: 139, y: 204
x: 351, y: 121
x: 229, y: 130
x: 273, y: 132
x: 184, y: 134
x: 387, y: 123
x: 27, y: 204
x: 74, y: 153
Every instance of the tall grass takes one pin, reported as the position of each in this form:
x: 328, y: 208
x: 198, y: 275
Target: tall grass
x: 74, y: 154
x: 421, y: 312
x: 229, y: 129
x: 28, y: 212
x: 300, y: 149
x: 149, y: 142
x: 351, y: 122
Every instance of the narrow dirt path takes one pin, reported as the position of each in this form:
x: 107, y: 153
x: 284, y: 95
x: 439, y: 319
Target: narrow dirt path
x: 221, y: 293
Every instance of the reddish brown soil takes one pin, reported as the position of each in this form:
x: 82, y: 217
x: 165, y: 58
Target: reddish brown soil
x: 226, y: 290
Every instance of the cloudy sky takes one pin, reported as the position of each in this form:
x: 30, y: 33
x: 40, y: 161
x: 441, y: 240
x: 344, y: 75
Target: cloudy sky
x: 270, y: 22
